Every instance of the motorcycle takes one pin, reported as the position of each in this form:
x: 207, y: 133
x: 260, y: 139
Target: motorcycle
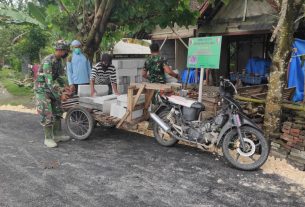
x: 243, y: 143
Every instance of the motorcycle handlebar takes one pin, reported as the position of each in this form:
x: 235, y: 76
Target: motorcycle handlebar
x: 223, y: 82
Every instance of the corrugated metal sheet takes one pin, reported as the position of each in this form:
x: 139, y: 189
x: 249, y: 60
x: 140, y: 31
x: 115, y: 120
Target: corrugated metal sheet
x: 183, y: 32
x: 235, y: 10
x: 260, y: 16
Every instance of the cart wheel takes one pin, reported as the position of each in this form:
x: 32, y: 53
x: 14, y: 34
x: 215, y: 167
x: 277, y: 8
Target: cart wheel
x: 79, y: 123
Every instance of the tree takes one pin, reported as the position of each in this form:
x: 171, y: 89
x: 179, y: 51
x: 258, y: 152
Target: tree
x: 93, y: 18
x: 290, y: 12
x: 31, y: 43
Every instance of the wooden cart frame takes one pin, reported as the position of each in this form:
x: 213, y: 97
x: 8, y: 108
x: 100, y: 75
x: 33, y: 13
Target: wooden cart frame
x: 81, y: 118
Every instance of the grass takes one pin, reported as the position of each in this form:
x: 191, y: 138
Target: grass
x: 20, y: 95
x: 7, y: 77
x: 15, y: 90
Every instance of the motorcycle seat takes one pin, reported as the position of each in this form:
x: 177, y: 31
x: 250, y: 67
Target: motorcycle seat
x: 181, y: 101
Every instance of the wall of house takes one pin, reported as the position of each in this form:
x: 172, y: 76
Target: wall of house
x: 168, y: 51
x: 181, y: 54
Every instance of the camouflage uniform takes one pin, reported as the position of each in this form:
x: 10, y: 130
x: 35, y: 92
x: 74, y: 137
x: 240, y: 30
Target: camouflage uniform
x: 47, y: 91
x: 154, y: 65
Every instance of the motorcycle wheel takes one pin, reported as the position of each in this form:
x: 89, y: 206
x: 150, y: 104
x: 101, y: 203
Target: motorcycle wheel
x: 255, y: 153
x: 161, y: 136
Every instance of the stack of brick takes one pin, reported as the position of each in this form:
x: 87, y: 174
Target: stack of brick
x: 290, y: 144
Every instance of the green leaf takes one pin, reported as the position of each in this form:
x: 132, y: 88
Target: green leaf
x: 13, y: 16
x: 37, y: 12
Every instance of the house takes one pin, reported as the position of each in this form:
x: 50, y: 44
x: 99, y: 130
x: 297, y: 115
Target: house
x: 174, y: 41
x: 245, y: 26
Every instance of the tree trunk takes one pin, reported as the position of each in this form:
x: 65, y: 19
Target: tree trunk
x: 92, y: 42
x: 284, y: 34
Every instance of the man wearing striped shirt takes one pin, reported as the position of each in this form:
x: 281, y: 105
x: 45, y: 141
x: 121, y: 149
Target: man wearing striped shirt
x: 104, y: 73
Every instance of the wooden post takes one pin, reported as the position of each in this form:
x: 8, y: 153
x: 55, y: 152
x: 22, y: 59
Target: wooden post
x: 148, y: 96
x: 201, y: 85
x: 130, y: 103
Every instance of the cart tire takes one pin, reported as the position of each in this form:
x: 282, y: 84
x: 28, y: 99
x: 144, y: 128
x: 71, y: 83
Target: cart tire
x: 79, y: 123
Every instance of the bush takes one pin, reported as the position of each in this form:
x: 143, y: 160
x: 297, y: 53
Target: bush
x: 15, y: 64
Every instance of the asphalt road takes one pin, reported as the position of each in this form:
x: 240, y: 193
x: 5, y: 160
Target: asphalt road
x: 118, y: 168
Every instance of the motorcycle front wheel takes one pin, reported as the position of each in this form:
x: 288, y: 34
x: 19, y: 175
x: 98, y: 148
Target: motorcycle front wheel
x: 252, y: 156
x: 161, y: 136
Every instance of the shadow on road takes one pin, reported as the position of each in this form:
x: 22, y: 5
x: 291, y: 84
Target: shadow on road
x: 119, y: 168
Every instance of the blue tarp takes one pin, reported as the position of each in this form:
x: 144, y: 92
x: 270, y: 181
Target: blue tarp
x: 258, y: 66
x: 192, y: 76
x: 296, y: 71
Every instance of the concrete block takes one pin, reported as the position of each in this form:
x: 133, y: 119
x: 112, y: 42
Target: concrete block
x: 107, y: 105
x: 85, y: 91
x: 130, y: 64
x: 119, y: 111
x: 117, y: 63
x: 127, y: 72
x: 122, y: 100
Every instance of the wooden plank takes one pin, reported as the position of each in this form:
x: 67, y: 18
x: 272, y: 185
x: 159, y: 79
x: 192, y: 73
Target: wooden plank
x: 129, y: 103
x: 148, y: 98
x: 153, y: 86
x: 138, y: 107
x: 123, y: 119
x: 136, y: 99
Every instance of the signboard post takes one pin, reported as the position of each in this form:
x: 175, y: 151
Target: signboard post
x: 204, y: 52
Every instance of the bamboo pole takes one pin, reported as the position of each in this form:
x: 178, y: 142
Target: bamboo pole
x: 296, y: 107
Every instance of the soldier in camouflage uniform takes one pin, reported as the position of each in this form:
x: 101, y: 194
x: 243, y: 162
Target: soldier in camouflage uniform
x: 155, y: 67
x: 48, y: 94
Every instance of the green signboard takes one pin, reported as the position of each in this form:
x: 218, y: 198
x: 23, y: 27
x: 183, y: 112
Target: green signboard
x: 204, y: 52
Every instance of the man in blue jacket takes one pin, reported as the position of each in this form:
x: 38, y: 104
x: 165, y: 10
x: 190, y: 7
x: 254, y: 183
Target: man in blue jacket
x: 78, y: 67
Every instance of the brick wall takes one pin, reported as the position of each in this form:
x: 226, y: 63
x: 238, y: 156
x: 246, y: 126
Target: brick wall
x: 290, y: 144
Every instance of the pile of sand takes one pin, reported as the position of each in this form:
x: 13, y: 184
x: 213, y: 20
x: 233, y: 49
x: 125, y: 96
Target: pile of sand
x: 19, y: 108
x: 283, y: 169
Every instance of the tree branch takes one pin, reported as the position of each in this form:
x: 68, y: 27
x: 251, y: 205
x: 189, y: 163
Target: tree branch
x: 97, y: 4
x: 283, y: 13
x: 99, y: 25
x: 62, y: 7
x: 97, y: 19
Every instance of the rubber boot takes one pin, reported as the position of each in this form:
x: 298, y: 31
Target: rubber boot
x: 49, y: 138
x: 58, y: 135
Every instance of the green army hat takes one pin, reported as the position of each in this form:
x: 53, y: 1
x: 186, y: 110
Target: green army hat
x: 61, y: 45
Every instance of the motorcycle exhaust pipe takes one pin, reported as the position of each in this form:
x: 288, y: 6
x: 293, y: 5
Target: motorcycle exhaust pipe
x: 160, y: 122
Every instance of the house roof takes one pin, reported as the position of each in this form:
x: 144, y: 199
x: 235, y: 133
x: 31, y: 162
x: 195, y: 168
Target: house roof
x: 183, y: 32
x: 260, y: 16
x: 123, y: 47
